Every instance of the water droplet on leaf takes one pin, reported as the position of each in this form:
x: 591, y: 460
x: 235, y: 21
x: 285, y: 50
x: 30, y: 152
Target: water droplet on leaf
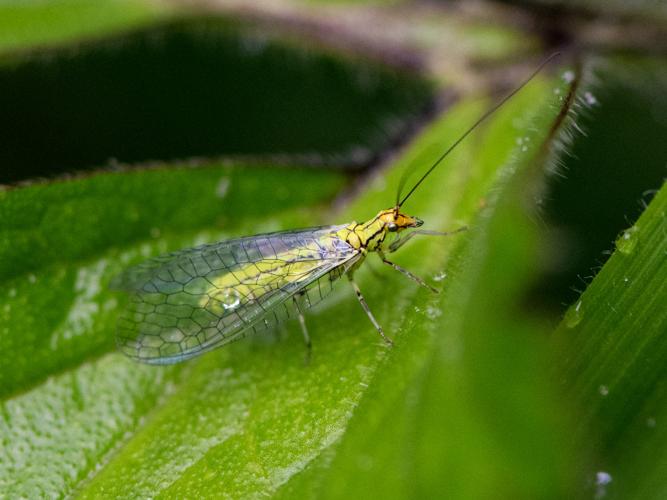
x: 568, y: 76
x: 222, y: 188
x: 602, y: 480
x: 440, y: 276
x: 627, y: 241
x: 573, y: 315
x: 590, y: 99
x: 433, y: 312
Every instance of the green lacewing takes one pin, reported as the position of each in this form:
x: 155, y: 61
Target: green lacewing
x: 192, y: 301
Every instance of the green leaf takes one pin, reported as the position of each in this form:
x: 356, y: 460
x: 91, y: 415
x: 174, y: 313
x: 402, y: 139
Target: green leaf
x: 57, y: 262
x: 200, y: 86
x: 610, y: 349
x: 467, y: 403
x: 58, y: 317
x: 39, y: 22
x: 463, y: 404
x: 251, y: 418
x: 598, y: 189
x: 613, y: 346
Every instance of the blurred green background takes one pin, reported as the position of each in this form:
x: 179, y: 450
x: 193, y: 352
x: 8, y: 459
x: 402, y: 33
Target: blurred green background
x: 131, y: 128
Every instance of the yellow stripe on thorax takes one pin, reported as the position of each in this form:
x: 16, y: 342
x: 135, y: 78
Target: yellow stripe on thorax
x: 364, y: 235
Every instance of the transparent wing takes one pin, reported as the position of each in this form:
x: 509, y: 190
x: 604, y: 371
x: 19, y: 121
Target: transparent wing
x: 192, y: 301
x: 312, y: 294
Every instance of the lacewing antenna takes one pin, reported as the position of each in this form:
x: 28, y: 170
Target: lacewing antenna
x: 400, y: 201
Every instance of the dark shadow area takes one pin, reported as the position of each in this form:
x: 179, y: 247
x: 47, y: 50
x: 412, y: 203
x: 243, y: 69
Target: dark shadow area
x: 611, y: 173
x: 201, y: 87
